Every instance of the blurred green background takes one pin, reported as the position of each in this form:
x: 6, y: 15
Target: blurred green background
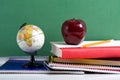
x: 101, y: 16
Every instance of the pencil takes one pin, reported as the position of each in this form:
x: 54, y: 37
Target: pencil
x: 96, y: 43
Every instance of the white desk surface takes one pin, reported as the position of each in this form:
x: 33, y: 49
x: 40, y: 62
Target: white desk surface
x: 55, y: 76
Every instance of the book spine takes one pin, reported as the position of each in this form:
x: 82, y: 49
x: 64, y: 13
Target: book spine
x: 91, y: 52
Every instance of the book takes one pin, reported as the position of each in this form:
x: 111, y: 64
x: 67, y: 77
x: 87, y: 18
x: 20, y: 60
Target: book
x: 85, y: 68
x: 13, y: 66
x: 105, y: 50
x: 99, y: 61
x: 86, y: 65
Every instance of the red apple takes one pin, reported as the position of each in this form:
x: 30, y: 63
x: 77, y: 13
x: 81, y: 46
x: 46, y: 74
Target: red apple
x: 73, y: 31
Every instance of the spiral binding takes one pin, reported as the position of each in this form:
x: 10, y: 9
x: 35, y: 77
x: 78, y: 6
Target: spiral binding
x: 85, y: 67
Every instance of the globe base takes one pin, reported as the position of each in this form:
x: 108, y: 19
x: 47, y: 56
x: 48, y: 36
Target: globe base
x: 32, y: 63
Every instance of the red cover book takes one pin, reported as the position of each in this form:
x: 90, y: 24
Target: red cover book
x: 90, y: 52
x: 108, y: 50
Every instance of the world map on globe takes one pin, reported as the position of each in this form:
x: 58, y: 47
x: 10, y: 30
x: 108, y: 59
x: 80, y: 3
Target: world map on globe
x: 30, y: 38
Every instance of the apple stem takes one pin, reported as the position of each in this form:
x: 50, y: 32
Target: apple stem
x: 73, y: 18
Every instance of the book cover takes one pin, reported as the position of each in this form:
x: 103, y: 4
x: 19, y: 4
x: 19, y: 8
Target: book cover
x: 99, y: 61
x: 16, y: 67
x: 106, y: 50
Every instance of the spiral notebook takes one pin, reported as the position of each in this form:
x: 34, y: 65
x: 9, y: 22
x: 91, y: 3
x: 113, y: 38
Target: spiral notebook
x: 85, y: 68
x: 86, y: 65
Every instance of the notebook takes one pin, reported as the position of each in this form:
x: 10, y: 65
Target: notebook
x: 85, y: 68
x: 86, y: 65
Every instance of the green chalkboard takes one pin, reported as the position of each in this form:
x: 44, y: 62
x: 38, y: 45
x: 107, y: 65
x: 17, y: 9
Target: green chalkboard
x: 101, y: 16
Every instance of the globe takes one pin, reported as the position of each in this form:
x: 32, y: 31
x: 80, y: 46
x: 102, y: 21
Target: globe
x: 30, y: 39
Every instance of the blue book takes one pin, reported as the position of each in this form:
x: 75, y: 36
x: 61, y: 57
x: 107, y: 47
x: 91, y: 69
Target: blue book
x: 17, y: 66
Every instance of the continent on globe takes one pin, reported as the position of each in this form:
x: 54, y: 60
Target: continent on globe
x: 27, y: 34
x: 30, y: 38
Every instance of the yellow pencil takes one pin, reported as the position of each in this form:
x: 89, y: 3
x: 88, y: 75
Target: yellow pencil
x: 96, y: 43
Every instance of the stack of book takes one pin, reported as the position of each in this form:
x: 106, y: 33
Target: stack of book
x: 89, y: 56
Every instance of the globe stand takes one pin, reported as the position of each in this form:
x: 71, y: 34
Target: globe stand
x: 32, y: 63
